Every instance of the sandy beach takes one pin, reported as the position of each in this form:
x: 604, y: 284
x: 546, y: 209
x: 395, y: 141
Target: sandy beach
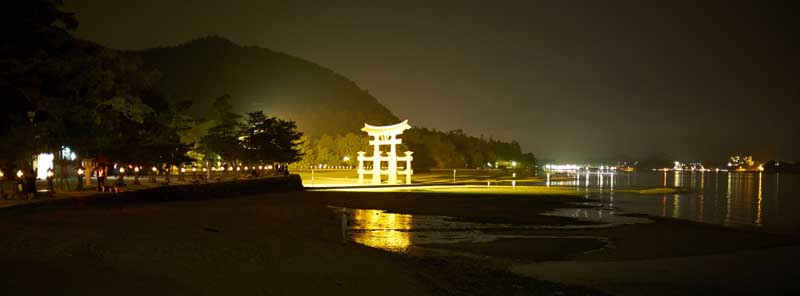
x: 291, y: 243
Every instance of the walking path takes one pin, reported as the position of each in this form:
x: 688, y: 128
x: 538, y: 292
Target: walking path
x: 62, y: 193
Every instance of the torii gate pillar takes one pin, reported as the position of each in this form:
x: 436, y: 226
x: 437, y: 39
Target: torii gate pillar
x: 385, y: 135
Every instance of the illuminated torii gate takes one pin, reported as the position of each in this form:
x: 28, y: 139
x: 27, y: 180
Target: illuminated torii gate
x: 385, y: 135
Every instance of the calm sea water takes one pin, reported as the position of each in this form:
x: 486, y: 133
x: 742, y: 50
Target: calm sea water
x: 768, y: 201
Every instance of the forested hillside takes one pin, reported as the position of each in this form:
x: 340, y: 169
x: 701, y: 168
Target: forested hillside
x: 329, y: 108
x: 320, y: 100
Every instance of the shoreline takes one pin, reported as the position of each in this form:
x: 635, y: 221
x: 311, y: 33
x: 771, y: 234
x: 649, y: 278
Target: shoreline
x: 293, y: 237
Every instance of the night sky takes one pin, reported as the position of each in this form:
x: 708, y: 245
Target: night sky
x: 570, y: 80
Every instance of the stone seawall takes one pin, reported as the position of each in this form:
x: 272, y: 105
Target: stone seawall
x: 212, y: 190
x: 205, y: 191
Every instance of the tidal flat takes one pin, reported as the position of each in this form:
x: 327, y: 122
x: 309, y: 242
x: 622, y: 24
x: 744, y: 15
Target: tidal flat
x: 294, y: 243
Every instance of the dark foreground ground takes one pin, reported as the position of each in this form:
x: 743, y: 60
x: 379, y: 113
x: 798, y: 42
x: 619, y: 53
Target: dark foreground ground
x: 291, y: 244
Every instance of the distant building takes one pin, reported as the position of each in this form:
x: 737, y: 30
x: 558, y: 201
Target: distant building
x: 692, y: 166
x: 743, y: 163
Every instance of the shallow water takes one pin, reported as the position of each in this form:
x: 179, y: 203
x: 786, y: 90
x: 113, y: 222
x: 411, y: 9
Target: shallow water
x: 400, y: 232
x: 768, y: 201
x: 730, y: 199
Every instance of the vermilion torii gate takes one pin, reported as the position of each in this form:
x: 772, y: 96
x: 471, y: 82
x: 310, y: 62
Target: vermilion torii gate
x: 385, y: 135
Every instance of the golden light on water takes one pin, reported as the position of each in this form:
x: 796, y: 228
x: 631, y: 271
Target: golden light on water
x: 378, y: 229
x: 758, y: 211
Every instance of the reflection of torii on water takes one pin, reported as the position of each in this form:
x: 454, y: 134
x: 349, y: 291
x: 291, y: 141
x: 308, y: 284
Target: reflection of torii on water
x: 385, y: 135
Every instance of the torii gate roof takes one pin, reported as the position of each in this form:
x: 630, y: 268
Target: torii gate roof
x: 386, y: 129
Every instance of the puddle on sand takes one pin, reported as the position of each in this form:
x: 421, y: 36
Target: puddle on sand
x: 400, y: 232
x: 608, y: 218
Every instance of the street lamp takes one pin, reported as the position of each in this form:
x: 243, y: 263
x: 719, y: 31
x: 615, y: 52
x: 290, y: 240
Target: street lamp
x: 80, y: 179
x: 153, y: 175
x: 121, y: 177
x: 136, y: 175
x: 346, y: 159
x: 20, y: 185
x: 50, y: 180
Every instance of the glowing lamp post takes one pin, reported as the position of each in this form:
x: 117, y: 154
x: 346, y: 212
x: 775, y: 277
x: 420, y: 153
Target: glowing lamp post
x: 136, y: 175
x: 346, y: 160
x: 514, y: 169
x: 50, y: 180
x: 121, y: 177
x: 153, y: 176
x: 80, y: 179
x: 20, y: 185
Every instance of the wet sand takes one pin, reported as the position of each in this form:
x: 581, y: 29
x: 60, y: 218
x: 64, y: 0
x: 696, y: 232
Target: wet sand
x: 279, y: 244
x: 768, y: 271
x: 662, y: 257
x: 291, y: 243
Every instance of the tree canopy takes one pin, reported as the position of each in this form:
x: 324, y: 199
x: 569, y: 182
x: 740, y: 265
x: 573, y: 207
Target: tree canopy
x: 270, y: 140
x: 62, y: 91
x: 259, y: 139
x: 433, y: 149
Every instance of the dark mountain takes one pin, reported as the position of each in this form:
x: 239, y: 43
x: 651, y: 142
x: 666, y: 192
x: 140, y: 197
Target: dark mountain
x: 318, y: 99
